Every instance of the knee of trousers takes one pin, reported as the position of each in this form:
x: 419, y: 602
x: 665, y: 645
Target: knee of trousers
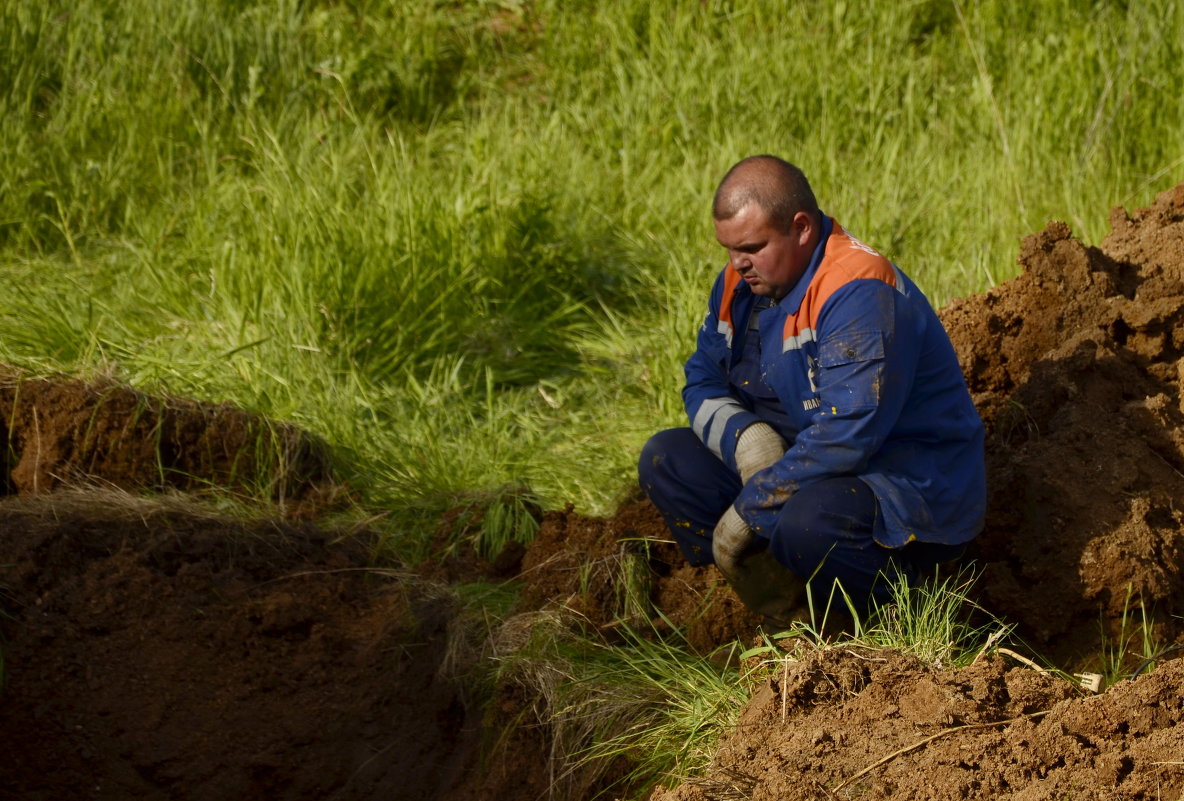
x: 825, y: 532
x: 689, y: 485
x: 653, y: 463
x: 676, y: 460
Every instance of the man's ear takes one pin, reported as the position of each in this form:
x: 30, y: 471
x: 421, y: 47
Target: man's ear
x: 805, y: 225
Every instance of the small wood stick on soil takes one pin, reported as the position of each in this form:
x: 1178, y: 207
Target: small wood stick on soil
x: 931, y: 738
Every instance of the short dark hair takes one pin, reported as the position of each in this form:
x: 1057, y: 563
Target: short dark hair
x: 778, y: 188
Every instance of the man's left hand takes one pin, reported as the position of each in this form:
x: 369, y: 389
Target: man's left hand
x: 763, y: 584
x: 758, y: 447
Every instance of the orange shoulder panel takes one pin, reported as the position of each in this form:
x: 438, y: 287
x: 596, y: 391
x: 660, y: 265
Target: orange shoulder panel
x: 846, y: 260
x: 731, y: 281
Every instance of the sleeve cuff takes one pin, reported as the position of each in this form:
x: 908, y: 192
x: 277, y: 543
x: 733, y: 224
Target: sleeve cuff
x: 719, y: 423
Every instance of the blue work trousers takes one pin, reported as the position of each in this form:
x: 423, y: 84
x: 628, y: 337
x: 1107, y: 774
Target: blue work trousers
x: 823, y: 533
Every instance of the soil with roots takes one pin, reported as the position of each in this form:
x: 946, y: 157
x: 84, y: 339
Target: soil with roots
x: 157, y: 648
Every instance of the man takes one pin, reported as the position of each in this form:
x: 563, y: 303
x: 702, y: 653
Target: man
x: 832, y: 436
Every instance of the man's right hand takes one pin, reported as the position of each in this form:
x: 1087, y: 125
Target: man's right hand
x: 758, y: 447
x: 762, y: 583
x: 730, y: 541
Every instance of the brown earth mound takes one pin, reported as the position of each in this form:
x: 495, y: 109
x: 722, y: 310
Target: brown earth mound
x: 153, y: 650
x: 1076, y: 367
x: 65, y: 431
x: 875, y: 725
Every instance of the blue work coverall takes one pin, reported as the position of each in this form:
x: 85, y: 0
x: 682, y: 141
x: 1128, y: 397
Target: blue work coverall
x: 884, y: 473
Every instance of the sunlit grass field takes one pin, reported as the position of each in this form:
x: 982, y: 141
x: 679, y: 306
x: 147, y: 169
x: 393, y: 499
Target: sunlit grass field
x: 469, y: 243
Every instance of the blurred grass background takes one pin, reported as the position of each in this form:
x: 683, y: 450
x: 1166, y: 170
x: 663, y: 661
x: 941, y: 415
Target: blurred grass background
x: 469, y: 243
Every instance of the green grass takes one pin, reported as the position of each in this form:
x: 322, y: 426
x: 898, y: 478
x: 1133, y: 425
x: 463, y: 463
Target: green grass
x: 625, y: 714
x: 934, y: 620
x: 620, y: 716
x: 1134, y: 647
x: 468, y: 243
x: 488, y: 522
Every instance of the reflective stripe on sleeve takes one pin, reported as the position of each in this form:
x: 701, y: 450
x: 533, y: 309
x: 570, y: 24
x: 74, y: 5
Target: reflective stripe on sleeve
x: 724, y: 327
x: 796, y: 342
x: 715, y: 413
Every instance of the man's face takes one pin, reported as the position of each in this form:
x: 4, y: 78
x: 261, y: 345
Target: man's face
x: 769, y: 261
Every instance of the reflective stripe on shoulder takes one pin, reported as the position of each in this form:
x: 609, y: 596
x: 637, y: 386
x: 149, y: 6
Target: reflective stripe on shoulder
x: 900, y: 283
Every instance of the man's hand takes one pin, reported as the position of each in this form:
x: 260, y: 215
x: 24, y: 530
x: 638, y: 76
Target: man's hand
x: 730, y: 541
x: 763, y: 584
x: 758, y: 447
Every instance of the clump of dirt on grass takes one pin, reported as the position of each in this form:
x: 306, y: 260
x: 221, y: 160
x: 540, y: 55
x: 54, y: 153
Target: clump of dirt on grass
x: 64, y: 431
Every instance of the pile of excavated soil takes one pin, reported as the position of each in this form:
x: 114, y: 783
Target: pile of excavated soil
x: 154, y: 649
x: 1076, y: 368
x: 845, y: 724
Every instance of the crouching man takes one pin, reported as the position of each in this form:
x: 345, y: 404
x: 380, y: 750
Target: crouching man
x: 832, y: 435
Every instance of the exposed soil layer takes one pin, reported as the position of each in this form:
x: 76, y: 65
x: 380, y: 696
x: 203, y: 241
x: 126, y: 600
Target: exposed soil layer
x: 65, y: 431
x: 155, y: 652
x: 154, y: 649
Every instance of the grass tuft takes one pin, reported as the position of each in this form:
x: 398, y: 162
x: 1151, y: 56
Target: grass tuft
x: 1134, y: 648
x: 936, y: 621
x: 620, y: 717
